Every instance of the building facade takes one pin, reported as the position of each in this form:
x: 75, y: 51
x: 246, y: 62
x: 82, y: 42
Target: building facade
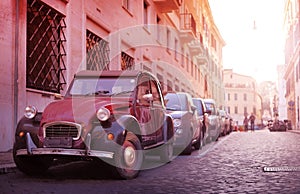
x: 47, y: 41
x: 292, y: 60
x: 282, y: 111
x: 241, y: 96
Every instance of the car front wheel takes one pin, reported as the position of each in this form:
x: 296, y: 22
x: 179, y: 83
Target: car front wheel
x: 31, y: 165
x: 129, y: 158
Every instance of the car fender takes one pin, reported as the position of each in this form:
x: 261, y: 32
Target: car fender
x: 129, y: 123
x: 25, y: 126
x: 168, y: 128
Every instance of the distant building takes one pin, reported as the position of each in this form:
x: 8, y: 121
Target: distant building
x: 241, y: 96
x: 282, y: 111
x: 292, y: 60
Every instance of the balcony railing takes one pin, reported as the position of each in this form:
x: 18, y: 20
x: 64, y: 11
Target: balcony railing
x: 167, y: 5
x: 188, y: 24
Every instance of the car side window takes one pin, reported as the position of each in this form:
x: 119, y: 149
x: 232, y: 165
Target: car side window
x: 142, y: 89
x: 155, y: 94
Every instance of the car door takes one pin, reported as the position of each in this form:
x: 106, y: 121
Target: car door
x: 144, y: 111
x: 158, y: 110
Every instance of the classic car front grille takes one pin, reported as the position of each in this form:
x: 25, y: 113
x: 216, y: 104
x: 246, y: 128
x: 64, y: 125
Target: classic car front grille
x: 62, y: 129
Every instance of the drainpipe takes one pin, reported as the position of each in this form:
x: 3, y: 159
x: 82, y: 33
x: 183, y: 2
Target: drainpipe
x: 16, y: 70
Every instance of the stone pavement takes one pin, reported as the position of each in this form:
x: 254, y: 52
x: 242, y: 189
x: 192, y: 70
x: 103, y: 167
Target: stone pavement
x: 7, y: 163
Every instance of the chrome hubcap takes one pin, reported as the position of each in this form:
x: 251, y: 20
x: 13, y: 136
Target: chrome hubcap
x: 129, y: 156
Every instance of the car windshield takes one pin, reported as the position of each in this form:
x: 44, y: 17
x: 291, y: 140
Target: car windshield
x: 198, y: 104
x: 176, y: 102
x: 102, y: 86
x: 210, y: 106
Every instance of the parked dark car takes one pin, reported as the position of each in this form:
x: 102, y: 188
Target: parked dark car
x: 187, y: 124
x: 214, y: 125
x: 115, y: 116
x: 201, y: 111
x: 277, y: 125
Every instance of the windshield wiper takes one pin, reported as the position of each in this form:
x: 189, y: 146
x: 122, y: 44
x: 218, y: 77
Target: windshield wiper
x: 123, y: 92
x: 97, y: 93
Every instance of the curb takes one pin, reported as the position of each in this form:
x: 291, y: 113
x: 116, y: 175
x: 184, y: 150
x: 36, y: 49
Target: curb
x: 6, y: 168
x: 294, y: 131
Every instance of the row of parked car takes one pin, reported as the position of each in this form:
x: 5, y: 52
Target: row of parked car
x: 117, y: 117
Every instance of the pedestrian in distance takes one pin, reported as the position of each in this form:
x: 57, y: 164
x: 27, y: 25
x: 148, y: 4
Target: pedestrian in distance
x: 246, y: 121
x: 252, y: 120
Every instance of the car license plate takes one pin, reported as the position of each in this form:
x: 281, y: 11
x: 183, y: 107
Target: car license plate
x: 58, y: 142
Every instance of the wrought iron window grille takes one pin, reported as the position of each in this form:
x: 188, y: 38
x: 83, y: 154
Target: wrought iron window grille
x: 97, y: 52
x: 127, y: 62
x: 45, y: 47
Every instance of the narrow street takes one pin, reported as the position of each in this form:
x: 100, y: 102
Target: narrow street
x: 234, y: 164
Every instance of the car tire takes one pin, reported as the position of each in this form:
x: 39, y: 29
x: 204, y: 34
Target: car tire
x: 30, y: 165
x: 188, y: 148
x: 198, y: 144
x: 129, y: 158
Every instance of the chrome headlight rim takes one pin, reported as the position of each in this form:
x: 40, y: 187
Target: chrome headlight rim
x: 103, y: 114
x: 177, y: 122
x: 30, y: 112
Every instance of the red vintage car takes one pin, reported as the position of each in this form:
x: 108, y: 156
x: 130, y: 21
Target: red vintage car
x: 115, y: 116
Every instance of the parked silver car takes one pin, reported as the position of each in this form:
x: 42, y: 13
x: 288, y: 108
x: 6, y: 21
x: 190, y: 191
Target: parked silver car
x: 214, y: 124
x: 187, y: 124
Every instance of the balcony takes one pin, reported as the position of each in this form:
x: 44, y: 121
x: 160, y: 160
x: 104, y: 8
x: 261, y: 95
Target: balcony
x: 196, y: 47
x: 187, y: 27
x: 167, y: 5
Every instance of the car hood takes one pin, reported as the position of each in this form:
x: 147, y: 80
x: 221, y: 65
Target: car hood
x: 80, y: 110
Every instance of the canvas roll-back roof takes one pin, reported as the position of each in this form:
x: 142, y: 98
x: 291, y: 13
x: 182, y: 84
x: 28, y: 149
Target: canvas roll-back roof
x: 110, y: 73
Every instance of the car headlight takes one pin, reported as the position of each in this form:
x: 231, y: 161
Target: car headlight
x: 30, y: 112
x: 103, y: 114
x: 177, y: 122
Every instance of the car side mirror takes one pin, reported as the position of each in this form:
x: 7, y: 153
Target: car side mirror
x: 148, y: 97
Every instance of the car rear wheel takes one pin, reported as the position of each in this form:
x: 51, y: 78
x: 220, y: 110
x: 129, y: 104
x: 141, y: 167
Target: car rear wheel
x: 129, y: 158
x: 198, y: 144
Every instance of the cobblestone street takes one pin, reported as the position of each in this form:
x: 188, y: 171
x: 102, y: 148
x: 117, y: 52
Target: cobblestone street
x: 234, y: 164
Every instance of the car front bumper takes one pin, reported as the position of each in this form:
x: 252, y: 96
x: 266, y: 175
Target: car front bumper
x: 32, y: 149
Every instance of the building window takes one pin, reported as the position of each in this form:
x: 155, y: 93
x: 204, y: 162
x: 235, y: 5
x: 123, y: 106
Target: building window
x: 126, y: 4
x: 158, y: 28
x: 127, y: 62
x: 169, y: 85
x: 97, y: 52
x: 161, y: 80
x: 245, y: 97
x: 235, y: 96
x: 228, y: 96
x: 187, y: 62
x: 254, y: 110
x: 46, y: 53
x: 228, y: 109
x: 245, y: 110
x: 176, y: 49
x: 236, y: 110
x: 146, y: 13
x: 168, y: 40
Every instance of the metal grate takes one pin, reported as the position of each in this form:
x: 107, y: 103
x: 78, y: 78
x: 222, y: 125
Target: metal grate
x: 45, y: 47
x: 62, y: 130
x: 97, y: 50
x: 127, y: 61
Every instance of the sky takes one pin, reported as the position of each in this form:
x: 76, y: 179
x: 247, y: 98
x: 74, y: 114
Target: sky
x: 255, y: 52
